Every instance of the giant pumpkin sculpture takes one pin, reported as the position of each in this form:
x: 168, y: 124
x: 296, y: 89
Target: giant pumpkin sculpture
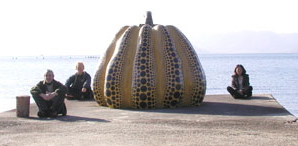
x: 150, y: 66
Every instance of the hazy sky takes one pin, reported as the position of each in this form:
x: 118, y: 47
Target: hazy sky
x: 72, y: 27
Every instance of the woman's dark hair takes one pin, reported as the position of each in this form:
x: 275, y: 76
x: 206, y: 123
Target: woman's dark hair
x: 241, y: 66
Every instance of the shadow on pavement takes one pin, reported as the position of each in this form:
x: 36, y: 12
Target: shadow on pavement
x: 228, y: 109
x: 70, y: 118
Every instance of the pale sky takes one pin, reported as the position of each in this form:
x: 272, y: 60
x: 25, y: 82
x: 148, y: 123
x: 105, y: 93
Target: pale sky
x: 86, y: 27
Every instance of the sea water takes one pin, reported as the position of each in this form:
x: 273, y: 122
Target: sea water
x: 274, y: 74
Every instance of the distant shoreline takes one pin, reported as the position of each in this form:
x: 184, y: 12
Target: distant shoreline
x: 98, y: 56
x: 51, y: 57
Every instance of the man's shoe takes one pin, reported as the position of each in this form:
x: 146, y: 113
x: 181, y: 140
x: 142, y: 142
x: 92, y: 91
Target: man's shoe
x: 53, y: 114
x: 64, y: 110
x: 41, y: 114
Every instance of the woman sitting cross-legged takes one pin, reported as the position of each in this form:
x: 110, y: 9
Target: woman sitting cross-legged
x: 240, y: 88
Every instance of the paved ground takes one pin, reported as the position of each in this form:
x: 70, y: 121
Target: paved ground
x: 221, y: 120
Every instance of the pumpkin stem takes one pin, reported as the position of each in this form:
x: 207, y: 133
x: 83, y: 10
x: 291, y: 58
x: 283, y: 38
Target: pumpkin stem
x: 149, y: 20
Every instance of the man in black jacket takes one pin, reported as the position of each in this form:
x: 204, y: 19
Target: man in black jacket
x: 49, y: 96
x: 78, y: 85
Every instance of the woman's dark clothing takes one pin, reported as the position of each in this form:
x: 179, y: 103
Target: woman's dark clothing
x: 240, y: 83
x: 76, y: 82
x: 55, y: 105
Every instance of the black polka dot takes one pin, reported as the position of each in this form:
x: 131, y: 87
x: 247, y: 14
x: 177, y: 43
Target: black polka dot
x: 176, y: 60
x: 178, y: 87
x: 143, y: 54
x: 143, y: 61
x: 143, y: 96
x: 108, y: 93
x: 109, y: 77
x: 143, y: 88
x: 108, y: 85
x: 143, y: 73
x: 177, y: 94
x: 177, y: 72
x: 143, y: 81
x: 143, y: 105
x: 143, y: 67
x: 174, y: 103
x: 109, y: 101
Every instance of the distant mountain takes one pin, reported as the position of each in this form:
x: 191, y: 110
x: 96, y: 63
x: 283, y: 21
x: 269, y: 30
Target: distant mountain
x: 247, y: 42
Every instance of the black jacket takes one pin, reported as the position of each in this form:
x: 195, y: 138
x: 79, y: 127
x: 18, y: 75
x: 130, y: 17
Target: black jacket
x: 77, y: 82
x: 245, y: 82
x: 41, y: 87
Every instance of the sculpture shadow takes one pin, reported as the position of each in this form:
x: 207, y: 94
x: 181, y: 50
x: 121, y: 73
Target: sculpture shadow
x: 229, y: 109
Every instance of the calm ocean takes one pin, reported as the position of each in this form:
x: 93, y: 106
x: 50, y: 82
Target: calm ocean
x: 269, y: 74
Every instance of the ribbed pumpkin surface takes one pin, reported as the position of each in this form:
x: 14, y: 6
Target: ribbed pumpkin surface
x: 149, y: 67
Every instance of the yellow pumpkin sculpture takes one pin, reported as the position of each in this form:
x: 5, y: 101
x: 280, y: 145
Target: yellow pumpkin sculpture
x: 150, y: 66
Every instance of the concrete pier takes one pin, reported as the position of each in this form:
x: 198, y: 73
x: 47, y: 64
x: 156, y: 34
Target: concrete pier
x: 220, y: 120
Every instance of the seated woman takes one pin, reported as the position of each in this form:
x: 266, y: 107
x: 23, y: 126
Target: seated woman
x: 79, y: 84
x: 240, y: 88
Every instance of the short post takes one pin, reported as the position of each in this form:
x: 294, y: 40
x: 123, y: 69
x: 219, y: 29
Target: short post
x: 23, y: 105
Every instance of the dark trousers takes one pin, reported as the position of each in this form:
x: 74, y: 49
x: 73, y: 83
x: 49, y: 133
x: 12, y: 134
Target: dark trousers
x: 54, y: 105
x: 79, y: 95
x: 247, y: 92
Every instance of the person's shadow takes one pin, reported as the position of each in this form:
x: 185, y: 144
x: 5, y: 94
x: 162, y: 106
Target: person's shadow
x: 70, y: 118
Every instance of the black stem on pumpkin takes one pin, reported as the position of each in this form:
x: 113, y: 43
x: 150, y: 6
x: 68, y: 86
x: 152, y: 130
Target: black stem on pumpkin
x: 149, y: 20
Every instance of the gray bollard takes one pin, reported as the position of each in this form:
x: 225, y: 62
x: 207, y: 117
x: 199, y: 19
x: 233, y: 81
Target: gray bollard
x: 23, y: 105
